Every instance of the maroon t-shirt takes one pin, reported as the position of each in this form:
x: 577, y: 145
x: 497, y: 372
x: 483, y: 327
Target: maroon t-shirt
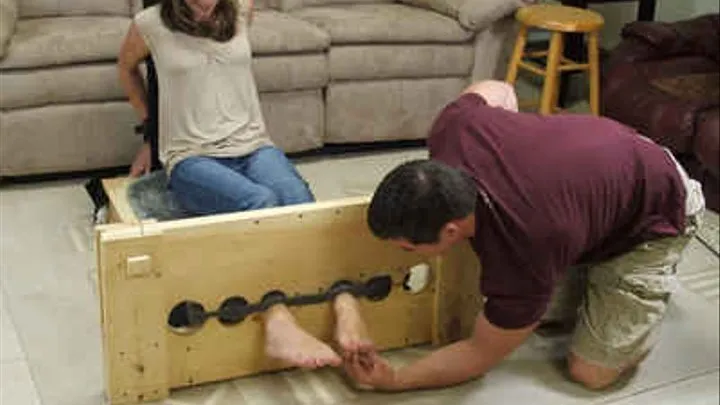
x: 561, y: 190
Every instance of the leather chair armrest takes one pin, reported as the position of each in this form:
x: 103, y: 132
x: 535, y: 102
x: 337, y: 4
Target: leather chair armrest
x: 696, y: 36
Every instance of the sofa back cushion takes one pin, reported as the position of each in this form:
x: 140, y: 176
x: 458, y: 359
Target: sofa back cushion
x: 54, y: 8
x: 288, y: 5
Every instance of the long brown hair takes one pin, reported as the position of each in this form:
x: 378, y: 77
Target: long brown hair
x: 178, y: 16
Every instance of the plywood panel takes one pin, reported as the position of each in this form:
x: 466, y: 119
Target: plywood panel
x: 300, y: 249
x: 119, y: 209
x: 458, y: 294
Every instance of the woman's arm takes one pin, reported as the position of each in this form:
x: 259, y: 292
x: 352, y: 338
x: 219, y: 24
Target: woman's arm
x: 251, y: 10
x: 132, y: 53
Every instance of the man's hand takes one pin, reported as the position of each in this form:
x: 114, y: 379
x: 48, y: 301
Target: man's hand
x: 456, y: 363
x: 370, y: 370
x: 143, y: 161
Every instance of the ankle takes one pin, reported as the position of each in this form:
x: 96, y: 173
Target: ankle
x: 278, y: 314
x: 345, y: 302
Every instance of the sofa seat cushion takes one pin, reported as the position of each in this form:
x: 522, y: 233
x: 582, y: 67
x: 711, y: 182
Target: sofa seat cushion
x: 384, y: 24
x: 365, y: 62
x: 290, y: 72
x: 272, y: 32
x: 53, y: 8
x: 65, y: 84
x: 65, y: 40
x: 402, y: 109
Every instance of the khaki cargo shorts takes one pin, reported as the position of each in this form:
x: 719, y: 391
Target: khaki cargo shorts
x: 626, y: 297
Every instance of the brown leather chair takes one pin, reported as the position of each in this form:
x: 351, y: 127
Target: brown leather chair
x: 664, y: 80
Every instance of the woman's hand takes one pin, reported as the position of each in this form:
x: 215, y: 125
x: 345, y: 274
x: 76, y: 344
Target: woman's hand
x: 143, y: 161
x: 368, y: 369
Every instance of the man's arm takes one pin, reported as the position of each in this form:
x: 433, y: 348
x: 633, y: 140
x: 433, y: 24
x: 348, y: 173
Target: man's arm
x: 463, y: 360
x: 495, y: 93
x: 453, y: 364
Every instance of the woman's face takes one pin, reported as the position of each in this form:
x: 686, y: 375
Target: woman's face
x: 202, y: 9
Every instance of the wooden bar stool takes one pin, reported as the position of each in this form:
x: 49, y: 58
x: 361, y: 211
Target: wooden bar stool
x: 559, y: 20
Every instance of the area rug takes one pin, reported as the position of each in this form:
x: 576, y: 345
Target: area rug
x: 48, y: 278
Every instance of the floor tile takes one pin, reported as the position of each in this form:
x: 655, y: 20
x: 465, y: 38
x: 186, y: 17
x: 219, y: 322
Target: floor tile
x: 702, y: 390
x: 17, y: 385
x: 10, y: 348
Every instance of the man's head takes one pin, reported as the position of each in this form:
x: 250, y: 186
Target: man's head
x: 423, y: 206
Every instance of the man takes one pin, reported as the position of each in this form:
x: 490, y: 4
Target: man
x: 536, y: 195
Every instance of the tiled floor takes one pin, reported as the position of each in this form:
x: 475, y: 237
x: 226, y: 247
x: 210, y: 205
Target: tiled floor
x: 49, y: 329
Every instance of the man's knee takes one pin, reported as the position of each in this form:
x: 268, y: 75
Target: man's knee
x: 592, y: 376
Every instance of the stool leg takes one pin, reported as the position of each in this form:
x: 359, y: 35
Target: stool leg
x: 550, y: 87
x: 594, y: 67
x: 517, y: 55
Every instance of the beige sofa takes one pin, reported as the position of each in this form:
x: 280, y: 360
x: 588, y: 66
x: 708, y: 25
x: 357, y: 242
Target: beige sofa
x: 328, y: 72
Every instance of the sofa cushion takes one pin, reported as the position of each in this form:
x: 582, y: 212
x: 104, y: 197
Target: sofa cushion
x: 362, y: 62
x: 472, y: 14
x: 8, y: 20
x: 295, y: 119
x: 290, y: 72
x: 65, y: 40
x: 707, y: 140
x: 52, y: 8
x: 274, y: 32
x: 384, y: 23
x: 288, y: 5
x: 37, y: 87
x: 400, y: 109
x: 67, y: 137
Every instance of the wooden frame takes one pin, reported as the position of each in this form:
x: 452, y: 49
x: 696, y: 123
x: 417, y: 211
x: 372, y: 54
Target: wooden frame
x: 146, y: 268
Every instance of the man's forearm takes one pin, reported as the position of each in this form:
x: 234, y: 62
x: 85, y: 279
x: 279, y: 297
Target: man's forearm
x: 453, y: 364
x: 463, y: 360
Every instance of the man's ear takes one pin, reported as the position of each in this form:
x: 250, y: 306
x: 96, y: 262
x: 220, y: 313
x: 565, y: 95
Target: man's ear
x: 451, y: 231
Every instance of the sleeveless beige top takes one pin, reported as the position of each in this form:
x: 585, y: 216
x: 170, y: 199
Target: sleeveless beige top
x: 208, y: 102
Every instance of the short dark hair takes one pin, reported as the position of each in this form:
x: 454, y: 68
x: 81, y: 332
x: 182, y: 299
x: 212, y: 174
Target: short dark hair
x: 417, y: 198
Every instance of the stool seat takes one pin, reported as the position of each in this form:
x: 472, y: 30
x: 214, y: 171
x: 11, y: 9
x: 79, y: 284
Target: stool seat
x: 559, y: 21
x: 560, y: 18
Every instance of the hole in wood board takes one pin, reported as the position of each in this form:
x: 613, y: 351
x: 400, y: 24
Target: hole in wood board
x: 417, y: 278
x: 256, y: 222
x: 186, y: 317
x: 300, y: 216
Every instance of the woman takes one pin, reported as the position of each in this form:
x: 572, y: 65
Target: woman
x: 213, y: 141
x: 214, y: 145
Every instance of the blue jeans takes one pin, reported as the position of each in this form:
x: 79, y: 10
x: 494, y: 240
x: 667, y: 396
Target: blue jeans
x: 266, y: 178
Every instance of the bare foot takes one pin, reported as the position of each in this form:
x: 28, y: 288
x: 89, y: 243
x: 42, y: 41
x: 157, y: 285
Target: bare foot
x: 350, y: 331
x: 286, y: 341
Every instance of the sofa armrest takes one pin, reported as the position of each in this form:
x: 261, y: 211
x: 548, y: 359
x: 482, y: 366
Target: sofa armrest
x: 8, y: 20
x: 474, y: 15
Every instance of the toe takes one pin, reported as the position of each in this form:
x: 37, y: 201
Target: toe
x: 335, y: 361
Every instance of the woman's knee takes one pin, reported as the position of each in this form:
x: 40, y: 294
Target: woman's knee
x: 294, y: 191
x: 261, y: 197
